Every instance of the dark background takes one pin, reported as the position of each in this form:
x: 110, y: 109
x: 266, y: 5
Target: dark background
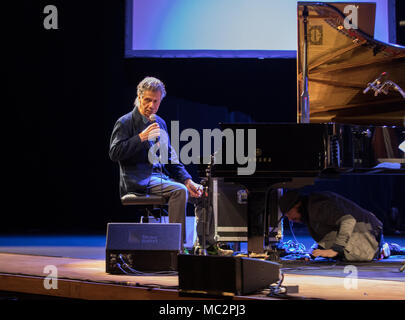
x: 66, y: 88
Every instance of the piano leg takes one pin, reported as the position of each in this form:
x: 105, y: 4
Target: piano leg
x: 273, y: 220
x: 256, y: 219
x: 261, y: 221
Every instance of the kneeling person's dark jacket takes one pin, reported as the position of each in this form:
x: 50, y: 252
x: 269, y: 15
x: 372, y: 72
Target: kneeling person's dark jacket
x: 337, y: 223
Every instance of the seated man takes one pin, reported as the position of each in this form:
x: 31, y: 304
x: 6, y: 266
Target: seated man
x: 342, y: 229
x: 132, y: 137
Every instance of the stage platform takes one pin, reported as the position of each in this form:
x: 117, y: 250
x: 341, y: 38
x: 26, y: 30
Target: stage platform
x: 80, y: 265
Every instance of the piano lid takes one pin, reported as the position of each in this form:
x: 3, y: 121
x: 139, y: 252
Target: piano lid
x: 342, y: 62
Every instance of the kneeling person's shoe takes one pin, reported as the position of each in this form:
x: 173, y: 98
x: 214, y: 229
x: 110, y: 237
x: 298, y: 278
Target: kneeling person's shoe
x: 385, y: 251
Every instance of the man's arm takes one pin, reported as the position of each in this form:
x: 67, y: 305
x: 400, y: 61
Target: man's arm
x: 345, y: 231
x: 195, y: 189
x: 177, y: 170
x: 332, y: 214
x: 122, y: 145
x: 174, y: 167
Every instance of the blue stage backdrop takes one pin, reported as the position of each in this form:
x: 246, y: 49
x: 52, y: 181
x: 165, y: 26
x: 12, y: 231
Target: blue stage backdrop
x: 221, y: 28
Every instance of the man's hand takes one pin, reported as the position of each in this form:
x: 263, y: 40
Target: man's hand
x: 329, y: 253
x: 150, y: 133
x: 193, y: 188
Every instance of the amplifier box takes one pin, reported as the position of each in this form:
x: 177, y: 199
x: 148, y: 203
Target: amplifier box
x: 142, y: 247
x: 218, y: 275
x: 230, y: 208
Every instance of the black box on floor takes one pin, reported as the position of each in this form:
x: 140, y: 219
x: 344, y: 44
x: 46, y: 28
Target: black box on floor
x: 229, y: 201
x: 218, y: 275
x: 146, y: 247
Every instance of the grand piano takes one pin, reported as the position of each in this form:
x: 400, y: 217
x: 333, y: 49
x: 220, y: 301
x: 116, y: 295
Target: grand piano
x: 350, y: 117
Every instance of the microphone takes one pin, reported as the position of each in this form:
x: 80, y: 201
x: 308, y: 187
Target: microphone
x: 375, y: 84
x: 152, y: 118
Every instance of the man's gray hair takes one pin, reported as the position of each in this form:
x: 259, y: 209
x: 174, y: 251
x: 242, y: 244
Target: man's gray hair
x: 152, y: 84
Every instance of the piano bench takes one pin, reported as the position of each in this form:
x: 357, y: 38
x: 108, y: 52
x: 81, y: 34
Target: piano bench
x: 149, y: 202
x: 139, y: 199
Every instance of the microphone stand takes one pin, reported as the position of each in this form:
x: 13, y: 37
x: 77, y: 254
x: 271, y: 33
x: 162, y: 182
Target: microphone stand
x: 161, y: 179
x: 152, y: 119
x: 203, y: 250
x: 304, y: 99
x: 207, y: 183
x: 378, y: 86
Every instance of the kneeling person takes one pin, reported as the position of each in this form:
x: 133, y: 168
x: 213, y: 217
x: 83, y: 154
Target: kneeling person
x: 342, y: 229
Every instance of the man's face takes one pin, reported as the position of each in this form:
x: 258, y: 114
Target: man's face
x: 149, y: 102
x: 294, y: 215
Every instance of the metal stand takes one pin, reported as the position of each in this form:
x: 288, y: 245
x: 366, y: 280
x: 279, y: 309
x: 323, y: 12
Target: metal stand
x: 378, y: 86
x: 161, y: 180
x: 203, y: 250
x: 305, y: 95
x: 207, y: 195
